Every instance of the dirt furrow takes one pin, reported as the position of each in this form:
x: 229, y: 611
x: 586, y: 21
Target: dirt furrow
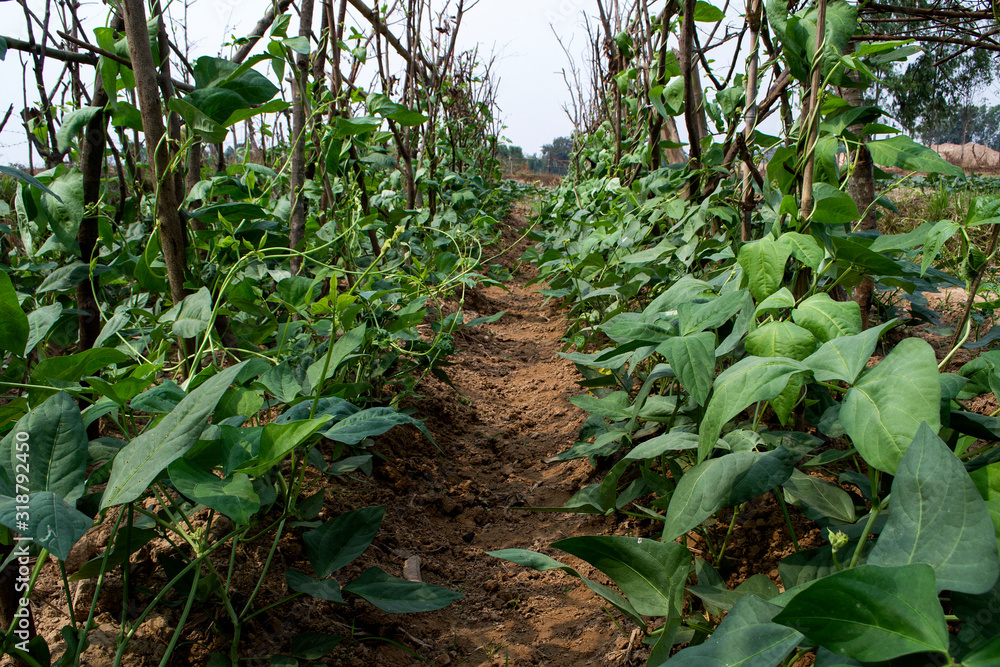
x: 510, y: 412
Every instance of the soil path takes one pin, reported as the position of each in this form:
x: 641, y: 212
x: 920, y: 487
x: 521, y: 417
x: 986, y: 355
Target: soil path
x: 510, y: 412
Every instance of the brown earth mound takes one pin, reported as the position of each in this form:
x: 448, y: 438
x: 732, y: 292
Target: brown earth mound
x: 969, y: 155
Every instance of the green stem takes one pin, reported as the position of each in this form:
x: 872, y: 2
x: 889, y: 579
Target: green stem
x: 876, y: 509
x: 729, y: 533
x: 788, y: 520
x: 267, y: 565
x: 183, y: 619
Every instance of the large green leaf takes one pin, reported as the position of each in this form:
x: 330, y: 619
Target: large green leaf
x: 370, y: 423
x: 884, y: 409
x: 936, y: 516
x: 903, y: 152
x: 142, y: 460
x: 13, y: 322
x: 19, y: 175
x: 724, y: 482
x: 49, y: 446
x: 781, y: 339
x: 650, y: 573
x: 747, y: 381
x: 745, y: 638
x: 763, y: 264
x: 843, y: 359
x: 987, y: 481
x: 804, y: 248
x: 342, y: 539
x: 52, y: 523
x: 871, y: 613
x: 398, y: 596
x: 233, y: 496
x: 693, y: 359
x: 828, y: 319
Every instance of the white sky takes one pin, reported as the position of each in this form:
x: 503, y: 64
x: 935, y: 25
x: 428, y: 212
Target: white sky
x: 531, y: 91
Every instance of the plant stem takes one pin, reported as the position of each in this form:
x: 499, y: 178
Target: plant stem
x: 788, y: 519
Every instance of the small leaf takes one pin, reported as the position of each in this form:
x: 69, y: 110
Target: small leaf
x: 398, y: 596
x: 781, y: 339
x: 325, y: 589
x: 233, y: 496
x: 828, y: 499
x: 72, y: 123
x: 342, y: 539
x: 843, y: 359
x: 650, y: 573
x: 194, y: 316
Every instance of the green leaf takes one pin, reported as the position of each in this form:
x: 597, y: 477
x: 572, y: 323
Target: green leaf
x: 398, y: 596
x: 747, y: 381
x: 278, y: 440
x: 650, y: 573
x: 70, y: 368
x: 26, y: 178
x: 314, y: 645
x: 370, y: 423
x: 871, y: 613
x: 781, y: 339
x: 160, y: 399
x: 987, y: 481
x: 194, y: 316
x: 343, y: 538
x: 142, y: 460
x: 616, y: 406
x: 72, y: 123
x: 281, y: 383
x: 54, y: 524
x: 543, y: 563
x: 843, y: 359
x: 40, y: 322
x: 778, y: 301
x: 52, y: 452
x: 14, y: 326
x: 937, y: 517
x: 693, y: 359
x: 746, y: 638
x: 233, y: 496
x: 66, y: 209
x: 833, y: 206
x: 407, y: 117
x: 346, y: 344
x: 804, y: 248
x: 828, y: 319
x: 712, y: 314
x: 724, y: 482
x: 763, y: 263
x: 935, y: 240
x: 325, y: 589
x: 706, y: 12
x: 828, y: 499
x: 883, y: 411
x: 347, y: 127
x: 903, y: 152
x: 987, y: 655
